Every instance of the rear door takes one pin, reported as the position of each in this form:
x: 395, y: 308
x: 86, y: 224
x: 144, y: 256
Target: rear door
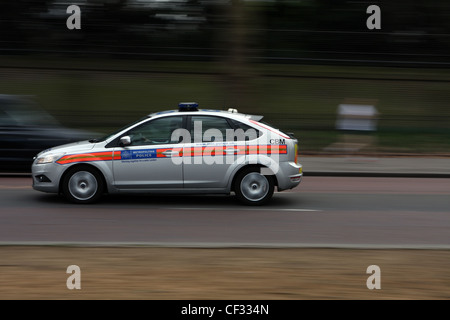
x: 209, y: 158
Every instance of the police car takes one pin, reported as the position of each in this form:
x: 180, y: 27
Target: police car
x: 186, y: 150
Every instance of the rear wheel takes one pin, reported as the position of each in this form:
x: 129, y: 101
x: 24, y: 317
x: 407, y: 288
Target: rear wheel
x: 253, y: 188
x: 83, y: 185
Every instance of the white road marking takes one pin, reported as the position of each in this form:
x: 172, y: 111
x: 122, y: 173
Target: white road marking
x: 228, y: 245
x: 242, y: 209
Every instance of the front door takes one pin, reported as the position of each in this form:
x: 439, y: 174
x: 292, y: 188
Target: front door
x: 148, y: 162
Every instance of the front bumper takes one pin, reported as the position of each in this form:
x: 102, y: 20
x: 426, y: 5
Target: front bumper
x: 46, y: 177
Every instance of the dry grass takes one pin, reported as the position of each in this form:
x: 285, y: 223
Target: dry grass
x: 201, y: 274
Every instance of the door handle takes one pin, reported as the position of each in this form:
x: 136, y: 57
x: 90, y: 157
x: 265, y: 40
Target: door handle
x: 169, y: 153
x: 232, y: 150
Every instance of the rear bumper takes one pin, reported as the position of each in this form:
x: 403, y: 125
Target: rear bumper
x: 289, y: 176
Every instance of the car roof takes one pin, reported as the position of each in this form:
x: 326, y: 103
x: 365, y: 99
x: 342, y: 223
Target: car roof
x: 232, y: 113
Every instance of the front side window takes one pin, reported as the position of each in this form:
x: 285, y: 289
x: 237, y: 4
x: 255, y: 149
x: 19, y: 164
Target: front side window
x: 158, y: 131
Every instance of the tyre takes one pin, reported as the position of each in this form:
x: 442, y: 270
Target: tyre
x: 253, y: 188
x: 82, y: 184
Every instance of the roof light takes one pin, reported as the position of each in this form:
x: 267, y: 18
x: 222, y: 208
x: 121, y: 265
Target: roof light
x: 231, y: 110
x: 188, y: 106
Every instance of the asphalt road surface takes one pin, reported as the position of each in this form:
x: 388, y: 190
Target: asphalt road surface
x: 322, y: 212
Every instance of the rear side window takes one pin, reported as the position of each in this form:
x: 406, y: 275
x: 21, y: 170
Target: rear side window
x: 213, y: 129
x: 273, y: 129
x: 209, y: 129
x: 244, y: 131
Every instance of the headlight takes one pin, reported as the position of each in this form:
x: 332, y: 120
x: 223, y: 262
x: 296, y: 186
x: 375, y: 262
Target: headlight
x: 48, y: 158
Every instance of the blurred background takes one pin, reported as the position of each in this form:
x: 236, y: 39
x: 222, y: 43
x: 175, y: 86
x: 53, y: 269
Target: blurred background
x: 295, y: 62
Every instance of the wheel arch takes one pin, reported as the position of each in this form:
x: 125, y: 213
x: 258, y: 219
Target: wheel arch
x: 82, y: 165
x: 246, y: 167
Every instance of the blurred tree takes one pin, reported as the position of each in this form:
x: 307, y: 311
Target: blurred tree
x: 332, y: 31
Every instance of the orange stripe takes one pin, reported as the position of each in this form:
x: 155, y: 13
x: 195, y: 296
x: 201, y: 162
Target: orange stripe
x: 188, y: 152
x: 220, y: 150
x: 96, y: 156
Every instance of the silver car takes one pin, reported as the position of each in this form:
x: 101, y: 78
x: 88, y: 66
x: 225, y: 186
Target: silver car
x: 187, y: 150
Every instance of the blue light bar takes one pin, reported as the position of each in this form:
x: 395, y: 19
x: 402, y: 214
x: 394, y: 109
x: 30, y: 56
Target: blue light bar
x: 188, y: 106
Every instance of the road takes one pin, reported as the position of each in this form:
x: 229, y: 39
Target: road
x: 322, y: 211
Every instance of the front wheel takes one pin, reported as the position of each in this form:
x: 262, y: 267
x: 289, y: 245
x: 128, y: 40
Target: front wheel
x: 253, y: 188
x: 82, y: 185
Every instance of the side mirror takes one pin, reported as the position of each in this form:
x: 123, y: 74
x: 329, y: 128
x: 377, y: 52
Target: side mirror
x: 125, y: 141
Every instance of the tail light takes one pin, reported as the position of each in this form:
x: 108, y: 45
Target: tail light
x: 296, y: 152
